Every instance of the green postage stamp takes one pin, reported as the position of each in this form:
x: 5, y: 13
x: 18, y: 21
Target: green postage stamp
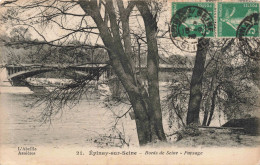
x: 215, y: 19
x: 192, y: 19
x: 230, y: 15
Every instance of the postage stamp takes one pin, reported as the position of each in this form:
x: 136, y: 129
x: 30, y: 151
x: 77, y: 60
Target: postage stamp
x: 190, y: 19
x: 230, y: 15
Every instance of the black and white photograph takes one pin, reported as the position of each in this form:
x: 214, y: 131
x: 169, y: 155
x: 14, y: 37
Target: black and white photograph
x: 129, y: 82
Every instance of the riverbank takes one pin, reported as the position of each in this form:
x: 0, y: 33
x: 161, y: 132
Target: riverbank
x: 209, y: 139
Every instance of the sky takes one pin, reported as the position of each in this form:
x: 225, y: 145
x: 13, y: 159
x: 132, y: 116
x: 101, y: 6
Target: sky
x: 52, y: 32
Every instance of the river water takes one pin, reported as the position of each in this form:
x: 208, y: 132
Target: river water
x: 82, y: 125
x: 89, y: 123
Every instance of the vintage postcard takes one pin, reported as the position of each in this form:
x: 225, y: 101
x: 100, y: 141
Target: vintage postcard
x: 129, y: 82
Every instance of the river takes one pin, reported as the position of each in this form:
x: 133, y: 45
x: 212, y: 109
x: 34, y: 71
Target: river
x: 89, y: 123
x: 82, y: 125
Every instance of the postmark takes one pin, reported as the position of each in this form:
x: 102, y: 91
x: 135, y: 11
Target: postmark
x: 249, y: 26
x: 189, y: 22
x: 248, y: 36
x: 230, y: 15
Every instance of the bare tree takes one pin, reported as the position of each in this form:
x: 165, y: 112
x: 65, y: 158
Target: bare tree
x: 230, y: 84
x: 225, y: 70
x: 110, y: 23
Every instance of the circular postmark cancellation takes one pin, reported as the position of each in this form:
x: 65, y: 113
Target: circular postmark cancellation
x: 248, y: 36
x: 188, y: 24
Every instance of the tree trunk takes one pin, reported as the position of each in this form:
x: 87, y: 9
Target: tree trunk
x: 206, y: 113
x: 149, y: 128
x: 155, y: 112
x: 196, y: 83
x: 146, y: 106
x: 141, y: 119
x: 213, y: 103
x: 207, y: 107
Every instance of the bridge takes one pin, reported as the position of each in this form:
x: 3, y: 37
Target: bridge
x: 17, y: 74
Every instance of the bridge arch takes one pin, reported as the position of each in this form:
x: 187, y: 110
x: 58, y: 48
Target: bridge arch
x: 28, y: 73
x: 18, y: 74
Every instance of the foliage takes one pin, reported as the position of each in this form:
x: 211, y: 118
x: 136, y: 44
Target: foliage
x: 188, y: 131
x: 230, y: 85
